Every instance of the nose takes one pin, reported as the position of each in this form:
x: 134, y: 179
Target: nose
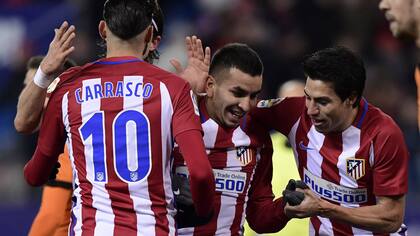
x: 313, y: 109
x: 383, y: 5
x: 245, y: 104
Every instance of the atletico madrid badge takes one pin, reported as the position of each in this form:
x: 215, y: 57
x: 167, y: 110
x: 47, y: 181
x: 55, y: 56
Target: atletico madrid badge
x: 244, y: 155
x: 355, y: 168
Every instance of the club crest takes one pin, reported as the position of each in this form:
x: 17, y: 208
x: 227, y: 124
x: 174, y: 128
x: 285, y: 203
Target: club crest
x: 244, y: 155
x: 269, y: 103
x: 53, y: 85
x: 355, y: 168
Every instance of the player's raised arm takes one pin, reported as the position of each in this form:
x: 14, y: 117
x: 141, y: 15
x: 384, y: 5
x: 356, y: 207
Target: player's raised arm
x: 32, y: 98
x: 197, y: 69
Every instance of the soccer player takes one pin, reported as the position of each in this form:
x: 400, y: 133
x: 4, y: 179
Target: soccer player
x: 54, y: 214
x: 351, y: 155
x: 238, y: 148
x: 120, y: 116
x: 404, y: 22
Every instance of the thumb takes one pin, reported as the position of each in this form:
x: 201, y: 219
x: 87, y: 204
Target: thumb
x: 177, y: 65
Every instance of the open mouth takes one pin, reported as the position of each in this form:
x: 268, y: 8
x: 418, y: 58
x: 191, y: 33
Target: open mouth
x: 236, y: 114
x: 317, y: 122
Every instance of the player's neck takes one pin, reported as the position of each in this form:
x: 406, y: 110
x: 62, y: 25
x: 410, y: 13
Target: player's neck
x: 120, y: 48
x: 351, y: 118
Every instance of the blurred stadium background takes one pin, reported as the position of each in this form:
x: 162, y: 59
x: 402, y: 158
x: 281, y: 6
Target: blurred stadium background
x: 282, y: 31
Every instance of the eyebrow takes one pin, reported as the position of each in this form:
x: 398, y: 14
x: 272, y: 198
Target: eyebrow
x: 241, y: 90
x: 317, y: 98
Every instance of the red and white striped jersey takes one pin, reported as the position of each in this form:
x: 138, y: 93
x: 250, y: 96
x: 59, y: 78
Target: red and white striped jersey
x: 233, y: 154
x: 119, y: 117
x: 350, y: 168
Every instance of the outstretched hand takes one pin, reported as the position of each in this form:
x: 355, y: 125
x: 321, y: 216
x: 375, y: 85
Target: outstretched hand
x: 60, y: 47
x: 197, y: 70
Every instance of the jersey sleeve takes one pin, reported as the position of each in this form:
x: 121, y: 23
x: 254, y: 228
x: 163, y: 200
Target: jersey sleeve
x: 186, y: 116
x: 279, y: 114
x: 263, y: 213
x: 390, y: 169
x: 50, y: 145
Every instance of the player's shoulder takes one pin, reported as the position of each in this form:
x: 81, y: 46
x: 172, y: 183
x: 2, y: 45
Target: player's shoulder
x: 65, y: 80
x: 380, y: 123
x: 276, y: 102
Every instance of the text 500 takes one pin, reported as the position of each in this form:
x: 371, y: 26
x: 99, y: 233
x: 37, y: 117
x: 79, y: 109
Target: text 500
x: 230, y: 185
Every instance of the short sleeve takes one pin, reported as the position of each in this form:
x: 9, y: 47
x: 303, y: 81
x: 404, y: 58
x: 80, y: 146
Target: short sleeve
x: 186, y: 116
x: 390, y: 169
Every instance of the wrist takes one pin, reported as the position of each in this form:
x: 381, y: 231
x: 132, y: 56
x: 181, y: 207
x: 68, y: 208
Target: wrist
x: 41, y: 79
x: 325, y: 208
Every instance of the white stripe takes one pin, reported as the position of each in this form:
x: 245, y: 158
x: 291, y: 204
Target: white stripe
x: 292, y: 141
x: 314, y: 158
x: 167, y: 140
x: 371, y: 155
x: 210, y: 128
x: 77, y: 208
x: 351, y: 144
x: 314, y: 164
x: 228, y: 200
x: 361, y: 232
x: 311, y: 229
x: 325, y: 229
x: 104, y: 216
x: 139, y: 191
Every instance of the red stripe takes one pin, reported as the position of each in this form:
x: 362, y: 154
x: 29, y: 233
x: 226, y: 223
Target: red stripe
x: 88, y: 212
x: 316, y: 223
x: 240, y: 200
x: 218, y: 160
x: 363, y: 153
x: 122, y: 205
x: 330, y: 151
x: 155, y: 179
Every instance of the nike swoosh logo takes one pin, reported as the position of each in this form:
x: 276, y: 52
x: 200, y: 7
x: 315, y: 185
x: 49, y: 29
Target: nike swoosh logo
x: 176, y: 192
x: 303, y: 147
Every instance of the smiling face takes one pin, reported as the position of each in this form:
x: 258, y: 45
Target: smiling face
x: 327, y: 111
x: 401, y: 17
x: 231, y: 96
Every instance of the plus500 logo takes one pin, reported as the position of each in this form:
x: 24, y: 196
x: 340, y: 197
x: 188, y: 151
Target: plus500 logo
x: 229, y: 185
x: 336, y: 196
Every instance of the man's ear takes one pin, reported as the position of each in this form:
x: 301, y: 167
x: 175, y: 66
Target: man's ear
x: 351, y: 100
x: 210, y: 84
x: 102, y: 29
x: 149, y: 35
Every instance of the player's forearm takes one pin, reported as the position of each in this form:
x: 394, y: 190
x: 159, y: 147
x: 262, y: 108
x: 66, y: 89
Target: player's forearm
x: 200, y: 173
x: 29, y: 108
x: 266, y: 215
x: 376, y: 218
x: 38, y: 169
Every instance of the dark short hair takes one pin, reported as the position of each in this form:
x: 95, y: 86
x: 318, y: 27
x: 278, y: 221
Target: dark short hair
x: 157, y: 23
x: 128, y: 18
x: 236, y: 55
x: 339, y: 66
x: 35, y: 61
